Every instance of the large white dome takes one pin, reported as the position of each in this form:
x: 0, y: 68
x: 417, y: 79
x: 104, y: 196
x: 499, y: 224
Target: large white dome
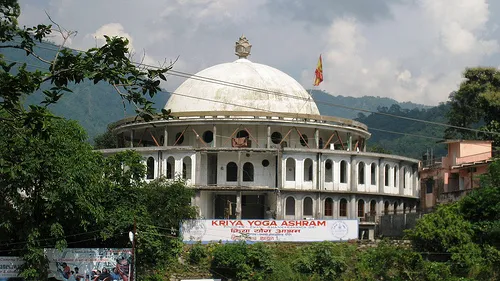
x: 223, y: 88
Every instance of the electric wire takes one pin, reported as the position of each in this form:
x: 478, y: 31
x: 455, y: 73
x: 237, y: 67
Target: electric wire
x: 246, y: 87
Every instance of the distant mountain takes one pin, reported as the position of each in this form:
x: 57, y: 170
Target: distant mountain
x: 96, y: 106
x: 367, y: 102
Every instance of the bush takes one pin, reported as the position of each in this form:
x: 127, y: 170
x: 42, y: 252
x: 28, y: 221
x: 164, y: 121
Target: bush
x: 241, y: 261
x: 197, y: 254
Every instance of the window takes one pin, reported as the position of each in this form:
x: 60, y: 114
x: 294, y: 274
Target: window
x: 404, y: 208
x: 395, y: 176
x: 308, y: 206
x: 186, y: 168
x: 343, y: 171
x: 231, y: 172
x: 208, y: 136
x: 328, y: 171
x: 303, y: 140
x: 265, y: 162
x: 373, y: 171
x: 150, y: 168
x: 276, y: 137
x: 290, y: 206
x: 170, y: 167
x: 373, y: 207
x: 361, y: 208
x: 308, y: 170
x: 290, y: 169
x: 404, y: 177
x: 395, y: 207
x: 242, y: 134
x: 328, y: 207
x: 343, y: 208
x: 386, y: 175
x: 361, y: 173
x: 248, y: 171
x: 429, y: 185
x: 179, y: 138
x: 386, y: 208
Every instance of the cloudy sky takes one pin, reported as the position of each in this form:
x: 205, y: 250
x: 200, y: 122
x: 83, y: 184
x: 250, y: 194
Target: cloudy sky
x: 409, y: 50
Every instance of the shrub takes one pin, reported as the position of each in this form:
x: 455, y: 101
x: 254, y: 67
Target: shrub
x: 197, y: 254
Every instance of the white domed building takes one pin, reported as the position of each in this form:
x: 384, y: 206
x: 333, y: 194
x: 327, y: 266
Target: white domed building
x: 250, y: 141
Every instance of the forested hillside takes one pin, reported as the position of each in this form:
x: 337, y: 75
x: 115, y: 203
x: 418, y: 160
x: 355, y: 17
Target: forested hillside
x: 95, y: 106
x: 409, y: 145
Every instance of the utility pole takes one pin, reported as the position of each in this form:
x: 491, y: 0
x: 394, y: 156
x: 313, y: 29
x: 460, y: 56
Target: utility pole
x: 132, y: 238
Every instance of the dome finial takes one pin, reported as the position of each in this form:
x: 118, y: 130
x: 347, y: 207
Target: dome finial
x: 243, y: 47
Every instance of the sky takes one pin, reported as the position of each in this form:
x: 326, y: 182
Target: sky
x: 408, y: 50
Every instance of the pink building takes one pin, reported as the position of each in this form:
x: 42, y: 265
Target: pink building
x: 456, y: 174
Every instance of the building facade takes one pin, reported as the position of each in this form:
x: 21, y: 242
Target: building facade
x: 250, y: 141
x: 456, y: 174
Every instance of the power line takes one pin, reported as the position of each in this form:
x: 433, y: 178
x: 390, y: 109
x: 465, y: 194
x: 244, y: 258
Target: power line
x: 225, y: 83
x: 251, y: 88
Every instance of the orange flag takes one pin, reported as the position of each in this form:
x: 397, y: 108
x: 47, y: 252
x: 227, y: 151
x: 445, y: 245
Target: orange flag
x: 319, y: 72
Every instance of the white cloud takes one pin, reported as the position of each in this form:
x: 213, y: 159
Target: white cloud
x: 418, y: 55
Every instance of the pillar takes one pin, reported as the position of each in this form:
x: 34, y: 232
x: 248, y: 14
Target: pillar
x: 165, y: 136
x: 215, y: 136
x: 401, y: 179
x: 279, y: 206
x: 381, y: 175
x: 238, y: 205
x: 131, y: 138
x: 316, y: 138
x: 268, y: 136
x: 197, y: 172
x: 352, y: 210
x: 349, y: 142
x: 319, y: 211
x: 354, y: 173
x: 240, y: 169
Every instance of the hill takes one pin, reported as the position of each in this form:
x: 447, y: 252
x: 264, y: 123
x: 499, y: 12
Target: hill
x: 95, y: 106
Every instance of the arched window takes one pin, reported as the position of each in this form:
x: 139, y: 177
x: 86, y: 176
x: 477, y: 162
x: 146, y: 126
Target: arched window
x: 404, y: 208
x: 386, y: 175
x: 386, y: 208
x: 231, y: 172
x: 361, y: 208
x: 308, y: 170
x: 290, y: 169
x: 395, y: 176
x: 290, y: 206
x: 328, y: 171
x: 373, y: 207
x: 308, y: 207
x: 186, y: 168
x: 395, y: 207
x: 343, y: 171
x: 248, y: 171
x: 170, y: 167
x: 150, y: 168
x: 361, y: 173
x: 404, y: 177
x: 343, y: 208
x: 373, y: 175
x: 328, y: 207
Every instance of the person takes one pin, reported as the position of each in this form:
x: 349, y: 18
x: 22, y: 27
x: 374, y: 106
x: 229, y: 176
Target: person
x: 66, y: 271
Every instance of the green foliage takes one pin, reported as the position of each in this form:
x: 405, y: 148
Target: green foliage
x: 327, y: 260
x: 109, y: 63
x: 242, y: 261
x: 441, y: 230
x: 476, y: 103
x: 384, y: 142
x: 106, y: 140
x: 197, y: 254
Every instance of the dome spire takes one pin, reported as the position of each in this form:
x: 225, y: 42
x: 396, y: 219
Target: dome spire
x: 243, y: 47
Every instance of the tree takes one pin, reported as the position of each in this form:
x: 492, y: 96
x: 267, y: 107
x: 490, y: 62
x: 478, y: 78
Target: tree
x: 110, y: 63
x: 476, y: 104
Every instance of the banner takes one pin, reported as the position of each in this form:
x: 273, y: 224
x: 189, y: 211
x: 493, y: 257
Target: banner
x: 89, y: 264
x: 269, y: 230
x: 9, y: 268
